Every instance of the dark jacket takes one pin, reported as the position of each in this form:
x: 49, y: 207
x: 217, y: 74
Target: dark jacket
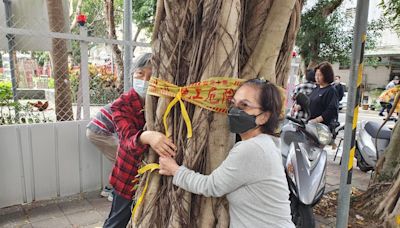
x: 339, y: 91
x: 324, y: 102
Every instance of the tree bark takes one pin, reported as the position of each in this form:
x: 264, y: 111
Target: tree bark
x: 330, y: 7
x: 194, y: 40
x: 263, y: 59
x: 135, y: 37
x: 283, y: 63
x: 110, y: 20
x: 59, y: 55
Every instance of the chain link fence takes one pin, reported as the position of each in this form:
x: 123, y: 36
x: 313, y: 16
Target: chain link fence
x: 44, y: 65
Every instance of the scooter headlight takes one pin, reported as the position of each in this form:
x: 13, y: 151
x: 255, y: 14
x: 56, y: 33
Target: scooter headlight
x: 324, y: 134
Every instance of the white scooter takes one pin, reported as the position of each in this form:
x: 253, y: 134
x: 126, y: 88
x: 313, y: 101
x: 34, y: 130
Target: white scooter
x: 305, y: 163
x: 366, y: 153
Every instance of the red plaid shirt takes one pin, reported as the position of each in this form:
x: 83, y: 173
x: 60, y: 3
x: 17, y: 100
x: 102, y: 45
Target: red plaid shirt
x: 128, y: 117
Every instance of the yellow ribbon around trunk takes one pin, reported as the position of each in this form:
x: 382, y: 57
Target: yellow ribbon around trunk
x: 211, y: 94
x: 150, y: 167
x: 185, y: 115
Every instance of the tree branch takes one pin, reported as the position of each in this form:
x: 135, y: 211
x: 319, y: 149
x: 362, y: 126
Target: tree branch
x: 330, y: 7
x: 135, y: 39
x: 77, y: 11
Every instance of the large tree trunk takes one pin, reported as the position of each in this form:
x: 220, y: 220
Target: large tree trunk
x: 382, y: 197
x: 110, y: 20
x: 59, y: 55
x: 194, y: 40
x: 283, y: 64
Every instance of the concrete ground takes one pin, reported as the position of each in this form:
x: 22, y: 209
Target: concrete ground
x: 85, y: 210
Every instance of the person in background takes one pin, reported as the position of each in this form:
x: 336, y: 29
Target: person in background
x: 393, y: 83
x: 128, y: 117
x: 387, y: 103
x: 252, y: 176
x: 305, y: 88
x: 386, y: 99
x: 339, y: 88
x: 323, y: 99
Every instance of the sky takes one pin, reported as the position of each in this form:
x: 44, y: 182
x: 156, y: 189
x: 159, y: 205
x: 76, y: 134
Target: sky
x: 374, y: 10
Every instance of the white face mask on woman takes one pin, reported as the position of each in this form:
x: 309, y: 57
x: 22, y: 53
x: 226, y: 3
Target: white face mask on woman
x: 140, y: 86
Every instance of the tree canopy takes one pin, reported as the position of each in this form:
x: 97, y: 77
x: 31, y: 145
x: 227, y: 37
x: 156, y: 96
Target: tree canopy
x: 326, y: 35
x: 392, y: 12
x: 143, y: 14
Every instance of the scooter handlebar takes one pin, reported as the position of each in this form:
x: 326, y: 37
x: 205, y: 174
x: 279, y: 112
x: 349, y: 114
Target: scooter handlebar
x: 295, y: 120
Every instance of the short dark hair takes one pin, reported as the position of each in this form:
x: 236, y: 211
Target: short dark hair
x: 327, y: 71
x: 338, y: 76
x: 310, y: 75
x: 270, y: 101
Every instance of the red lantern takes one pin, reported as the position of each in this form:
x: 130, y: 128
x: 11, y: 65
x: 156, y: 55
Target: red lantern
x: 294, y: 54
x: 81, y: 18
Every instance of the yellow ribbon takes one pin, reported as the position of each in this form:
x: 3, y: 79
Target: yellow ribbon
x: 185, y: 115
x: 149, y: 167
x: 210, y: 94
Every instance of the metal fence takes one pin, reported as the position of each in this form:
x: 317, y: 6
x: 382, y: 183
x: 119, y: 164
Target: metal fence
x: 45, y: 161
x: 49, y: 75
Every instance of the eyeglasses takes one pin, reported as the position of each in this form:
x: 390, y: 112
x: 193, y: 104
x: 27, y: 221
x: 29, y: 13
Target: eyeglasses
x: 242, y: 105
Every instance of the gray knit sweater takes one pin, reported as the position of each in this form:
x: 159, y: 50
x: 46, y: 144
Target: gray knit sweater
x: 253, y: 179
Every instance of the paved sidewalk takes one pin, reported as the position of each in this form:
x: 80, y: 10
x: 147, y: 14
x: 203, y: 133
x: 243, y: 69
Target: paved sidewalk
x: 90, y: 210
x: 86, y: 210
x: 360, y: 180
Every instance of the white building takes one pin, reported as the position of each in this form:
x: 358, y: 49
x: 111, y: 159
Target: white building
x: 387, y: 50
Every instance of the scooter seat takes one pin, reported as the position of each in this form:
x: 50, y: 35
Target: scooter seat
x: 373, y: 127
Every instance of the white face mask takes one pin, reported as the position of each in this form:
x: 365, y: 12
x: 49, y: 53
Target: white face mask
x: 140, y: 87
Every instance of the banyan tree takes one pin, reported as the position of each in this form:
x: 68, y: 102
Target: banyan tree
x: 194, y: 40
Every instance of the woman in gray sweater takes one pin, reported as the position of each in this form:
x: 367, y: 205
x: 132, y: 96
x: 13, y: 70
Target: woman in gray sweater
x: 252, y: 176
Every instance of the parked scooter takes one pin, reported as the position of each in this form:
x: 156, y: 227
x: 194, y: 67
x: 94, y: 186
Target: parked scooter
x: 305, y: 163
x: 366, y: 153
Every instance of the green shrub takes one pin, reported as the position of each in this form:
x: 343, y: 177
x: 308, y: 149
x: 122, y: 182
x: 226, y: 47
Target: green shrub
x: 50, y: 83
x: 103, y: 88
x: 5, y: 91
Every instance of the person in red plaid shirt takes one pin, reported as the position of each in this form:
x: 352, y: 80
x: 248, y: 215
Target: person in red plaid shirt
x: 128, y: 117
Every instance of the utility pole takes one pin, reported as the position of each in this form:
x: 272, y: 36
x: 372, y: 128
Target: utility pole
x: 128, y: 44
x: 353, y: 101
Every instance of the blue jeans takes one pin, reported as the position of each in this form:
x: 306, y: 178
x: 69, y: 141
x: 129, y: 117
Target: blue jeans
x: 120, y: 213
x: 385, y: 105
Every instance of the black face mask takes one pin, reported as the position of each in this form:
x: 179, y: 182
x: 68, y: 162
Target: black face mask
x: 240, y: 121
